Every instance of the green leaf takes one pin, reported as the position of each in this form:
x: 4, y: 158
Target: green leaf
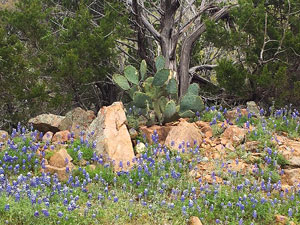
x: 121, y: 81
x: 193, y: 89
x: 160, y: 63
x: 187, y: 114
x: 161, y: 77
x: 147, y: 84
x: 140, y: 99
x: 132, y: 90
x: 170, y: 109
x: 191, y: 102
x: 172, y: 86
x: 143, y: 69
x: 131, y: 74
x: 162, y: 103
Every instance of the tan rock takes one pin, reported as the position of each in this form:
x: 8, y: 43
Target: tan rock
x: 92, y: 167
x: 46, y: 122
x: 61, y: 172
x: 283, y: 220
x: 162, y: 132
x: 77, y: 120
x: 133, y: 133
x: 291, y: 176
x: 251, y: 146
x: 60, y: 159
x: 233, y: 134
x: 184, y: 131
x: 194, y: 220
x: 140, y: 148
x: 253, y: 108
x: 205, y: 128
x: 233, y: 114
x: 3, y: 136
x: 291, y: 152
x: 61, y: 136
x: 111, y: 135
x: 47, y: 137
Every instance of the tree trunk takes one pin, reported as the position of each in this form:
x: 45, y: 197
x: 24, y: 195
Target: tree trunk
x: 142, y: 39
x: 169, y: 40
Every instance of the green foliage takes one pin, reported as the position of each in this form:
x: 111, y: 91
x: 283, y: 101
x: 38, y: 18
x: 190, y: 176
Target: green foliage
x: 231, y: 77
x: 263, y: 46
x: 51, y: 60
x: 75, y: 147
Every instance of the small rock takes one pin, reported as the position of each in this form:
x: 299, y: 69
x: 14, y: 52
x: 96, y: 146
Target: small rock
x: 184, y: 131
x: 295, y: 161
x: 204, y: 159
x: 205, y: 128
x: 92, y: 167
x: 133, y: 133
x: 233, y: 114
x: 291, y: 176
x: 282, y: 220
x: 47, y: 137
x: 162, y: 132
x: 194, y: 220
x: 60, y: 159
x: 252, y: 146
x: 140, y: 148
x: 62, y: 173
x: 233, y: 134
x: 253, y: 108
x: 82, y: 162
x: 3, y: 136
x: 61, y: 136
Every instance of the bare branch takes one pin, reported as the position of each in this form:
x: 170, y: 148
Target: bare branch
x: 202, y: 10
x: 201, y: 67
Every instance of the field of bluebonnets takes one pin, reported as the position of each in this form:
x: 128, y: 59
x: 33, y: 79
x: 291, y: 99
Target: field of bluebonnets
x: 158, y: 189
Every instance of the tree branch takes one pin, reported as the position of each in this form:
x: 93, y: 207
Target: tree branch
x: 150, y: 28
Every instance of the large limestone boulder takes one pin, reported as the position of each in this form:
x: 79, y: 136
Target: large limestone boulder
x: 184, y: 131
x: 111, y: 135
x: 46, y: 122
x: 77, y: 120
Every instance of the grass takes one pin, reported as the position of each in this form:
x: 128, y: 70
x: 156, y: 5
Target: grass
x: 157, y: 190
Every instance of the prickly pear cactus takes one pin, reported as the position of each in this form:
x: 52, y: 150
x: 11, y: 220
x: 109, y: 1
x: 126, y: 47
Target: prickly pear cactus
x: 161, y: 77
x: 131, y: 74
x: 157, y: 96
x: 121, y: 81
